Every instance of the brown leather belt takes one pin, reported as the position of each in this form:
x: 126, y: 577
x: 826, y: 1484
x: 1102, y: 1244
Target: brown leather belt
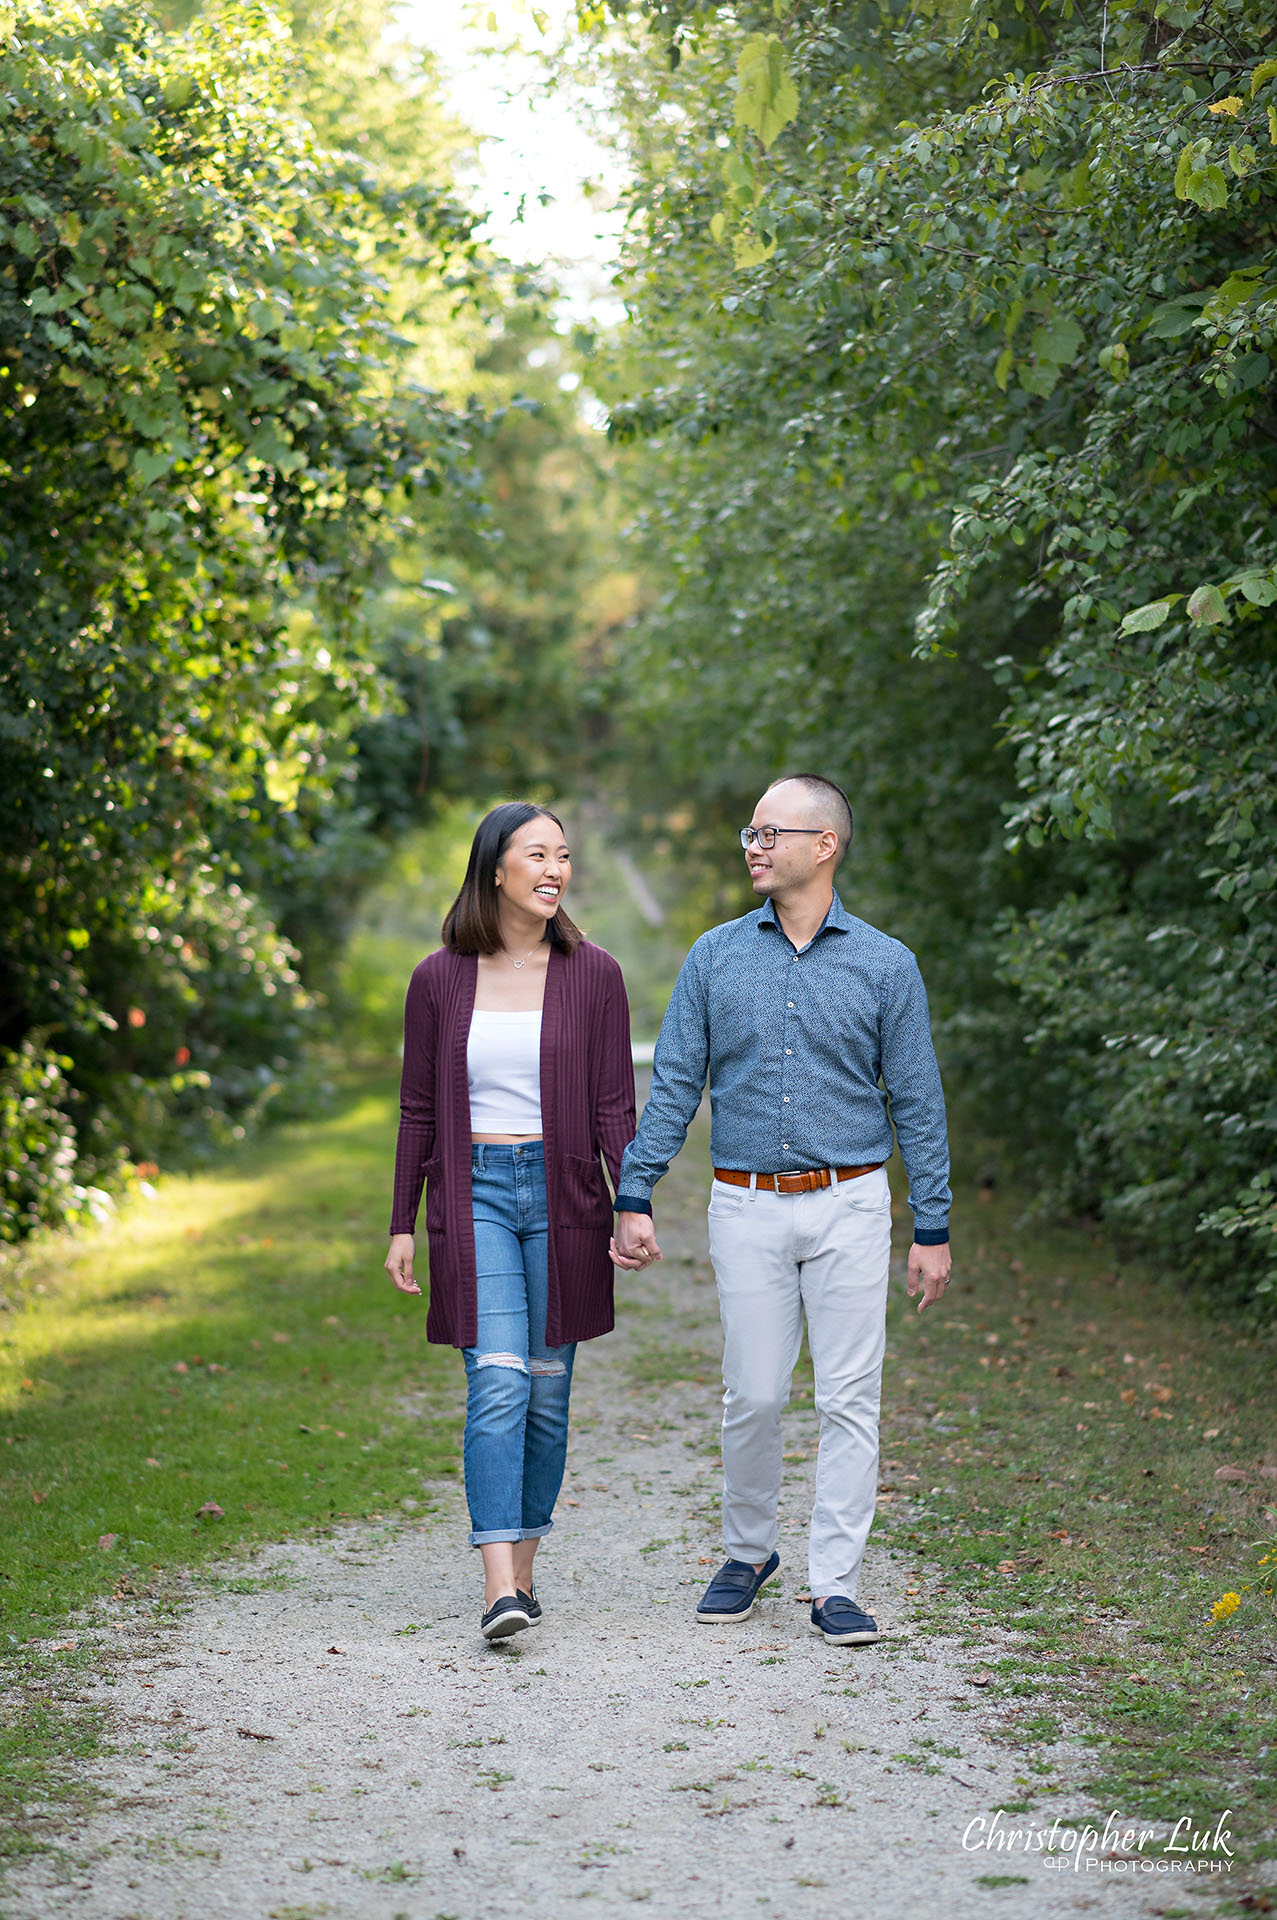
x: 793, y: 1182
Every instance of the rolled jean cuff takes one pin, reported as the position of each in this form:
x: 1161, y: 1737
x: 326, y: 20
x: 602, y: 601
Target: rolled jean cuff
x: 512, y: 1534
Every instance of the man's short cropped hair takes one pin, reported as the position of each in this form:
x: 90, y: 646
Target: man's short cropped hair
x: 827, y: 800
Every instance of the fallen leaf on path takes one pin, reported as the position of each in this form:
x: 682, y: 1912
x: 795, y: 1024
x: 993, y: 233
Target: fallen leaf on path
x: 979, y: 1679
x: 210, y: 1511
x: 336, y: 1649
x: 246, y: 1733
x: 1229, y: 1473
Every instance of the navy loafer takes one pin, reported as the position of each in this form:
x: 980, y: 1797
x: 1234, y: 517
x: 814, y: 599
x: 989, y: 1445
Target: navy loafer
x: 843, y: 1623
x: 732, y: 1592
x: 530, y: 1604
x: 505, y: 1616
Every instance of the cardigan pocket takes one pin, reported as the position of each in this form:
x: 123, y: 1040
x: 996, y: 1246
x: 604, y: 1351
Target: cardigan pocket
x: 584, y: 1192
x: 434, y: 1196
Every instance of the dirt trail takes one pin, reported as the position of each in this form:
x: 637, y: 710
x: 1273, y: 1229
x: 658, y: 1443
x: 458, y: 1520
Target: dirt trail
x: 619, y: 1754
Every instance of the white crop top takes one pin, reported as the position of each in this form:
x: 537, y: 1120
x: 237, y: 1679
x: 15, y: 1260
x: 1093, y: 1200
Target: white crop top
x: 503, y: 1066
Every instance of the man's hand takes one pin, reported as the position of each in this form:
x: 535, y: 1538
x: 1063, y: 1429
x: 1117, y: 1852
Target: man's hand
x: 399, y: 1262
x: 928, y: 1269
x: 634, y: 1242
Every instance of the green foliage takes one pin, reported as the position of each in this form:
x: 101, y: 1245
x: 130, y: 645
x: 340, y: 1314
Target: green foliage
x: 37, y: 1147
x: 958, y: 481
x: 211, y: 427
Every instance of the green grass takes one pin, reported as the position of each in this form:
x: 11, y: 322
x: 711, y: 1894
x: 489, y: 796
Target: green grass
x: 233, y: 1340
x: 1051, y: 1436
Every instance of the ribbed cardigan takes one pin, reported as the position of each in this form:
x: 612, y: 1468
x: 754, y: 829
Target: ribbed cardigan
x: 587, y: 1109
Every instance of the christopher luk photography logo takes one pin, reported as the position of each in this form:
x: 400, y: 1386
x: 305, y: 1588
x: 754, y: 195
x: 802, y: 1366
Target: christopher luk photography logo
x: 1187, y: 1845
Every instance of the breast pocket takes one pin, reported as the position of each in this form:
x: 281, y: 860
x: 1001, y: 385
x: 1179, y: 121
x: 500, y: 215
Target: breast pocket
x: 583, y: 1192
x: 434, y: 1196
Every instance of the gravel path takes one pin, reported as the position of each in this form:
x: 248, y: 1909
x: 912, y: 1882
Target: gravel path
x: 337, y: 1740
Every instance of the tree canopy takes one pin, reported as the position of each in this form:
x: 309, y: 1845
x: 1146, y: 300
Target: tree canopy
x: 948, y: 388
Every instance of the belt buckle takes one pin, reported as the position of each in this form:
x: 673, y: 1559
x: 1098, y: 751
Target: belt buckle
x: 799, y: 1177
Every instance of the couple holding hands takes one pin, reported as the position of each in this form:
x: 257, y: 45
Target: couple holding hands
x: 812, y: 1030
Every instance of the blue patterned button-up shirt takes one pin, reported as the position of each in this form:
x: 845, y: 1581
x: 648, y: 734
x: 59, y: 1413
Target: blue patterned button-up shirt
x: 795, y: 1044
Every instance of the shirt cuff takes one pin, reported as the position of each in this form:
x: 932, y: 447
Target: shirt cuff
x: 626, y: 1203
x: 931, y: 1236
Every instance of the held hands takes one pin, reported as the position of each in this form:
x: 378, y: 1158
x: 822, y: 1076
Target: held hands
x: 399, y: 1262
x: 928, y: 1269
x: 634, y: 1242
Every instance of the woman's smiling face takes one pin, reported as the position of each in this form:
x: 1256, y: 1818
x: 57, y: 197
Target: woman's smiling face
x: 534, y: 871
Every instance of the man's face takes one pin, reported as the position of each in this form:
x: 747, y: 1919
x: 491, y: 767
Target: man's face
x: 795, y: 856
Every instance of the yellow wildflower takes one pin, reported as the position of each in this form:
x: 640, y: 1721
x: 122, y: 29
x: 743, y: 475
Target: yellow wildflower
x: 1226, y: 1606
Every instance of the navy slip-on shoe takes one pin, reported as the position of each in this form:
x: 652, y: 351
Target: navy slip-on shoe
x: 505, y: 1616
x: 843, y: 1623
x: 530, y: 1604
x: 732, y: 1592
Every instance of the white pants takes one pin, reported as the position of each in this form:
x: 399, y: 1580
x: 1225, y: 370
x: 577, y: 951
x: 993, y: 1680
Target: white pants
x: 775, y: 1257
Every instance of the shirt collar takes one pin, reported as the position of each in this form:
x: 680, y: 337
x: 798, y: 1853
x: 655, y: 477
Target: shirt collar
x: 837, y: 920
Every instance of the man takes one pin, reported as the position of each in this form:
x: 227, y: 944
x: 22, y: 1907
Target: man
x: 796, y: 1012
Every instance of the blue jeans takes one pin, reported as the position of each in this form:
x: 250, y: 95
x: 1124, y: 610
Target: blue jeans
x: 517, y: 1387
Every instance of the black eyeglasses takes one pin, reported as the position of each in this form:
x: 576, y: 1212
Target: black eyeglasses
x: 765, y: 837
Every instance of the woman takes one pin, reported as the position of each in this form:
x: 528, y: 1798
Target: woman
x: 517, y: 1074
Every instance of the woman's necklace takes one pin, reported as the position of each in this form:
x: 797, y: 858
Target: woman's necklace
x: 518, y: 965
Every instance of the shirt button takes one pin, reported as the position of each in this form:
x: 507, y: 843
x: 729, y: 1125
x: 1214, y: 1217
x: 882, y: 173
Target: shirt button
x: 791, y: 1003
x: 785, y: 1145
x: 786, y: 1099
x: 789, y: 1049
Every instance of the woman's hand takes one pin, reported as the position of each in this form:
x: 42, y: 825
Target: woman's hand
x: 399, y: 1262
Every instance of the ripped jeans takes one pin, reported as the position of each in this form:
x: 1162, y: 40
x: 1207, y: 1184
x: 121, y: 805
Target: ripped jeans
x: 517, y: 1387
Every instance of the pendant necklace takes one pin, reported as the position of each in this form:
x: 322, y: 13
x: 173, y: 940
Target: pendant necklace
x: 518, y: 965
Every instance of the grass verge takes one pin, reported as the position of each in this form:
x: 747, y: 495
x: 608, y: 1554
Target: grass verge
x: 224, y: 1365
x: 1073, y: 1451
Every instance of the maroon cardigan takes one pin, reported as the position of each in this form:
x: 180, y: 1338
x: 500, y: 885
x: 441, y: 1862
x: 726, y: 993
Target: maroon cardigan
x: 587, y: 1108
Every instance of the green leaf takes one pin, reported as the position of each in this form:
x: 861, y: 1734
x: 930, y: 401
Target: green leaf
x: 1170, y: 320
x: 1259, y: 588
x: 1041, y: 379
x: 1207, y: 189
x: 766, y: 97
x: 1190, y: 159
x: 748, y: 250
x: 741, y: 180
x: 1206, y: 606
x: 1154, y: 614
x: 1059, y: 341
x: 718, y: 226
x: 150, y: 462
x: 1264, y: 72
x: 1002, y: 369
x: 177, y: 90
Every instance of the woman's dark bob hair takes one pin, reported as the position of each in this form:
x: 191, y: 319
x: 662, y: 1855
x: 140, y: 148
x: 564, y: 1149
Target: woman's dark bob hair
x: 472, y: 924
